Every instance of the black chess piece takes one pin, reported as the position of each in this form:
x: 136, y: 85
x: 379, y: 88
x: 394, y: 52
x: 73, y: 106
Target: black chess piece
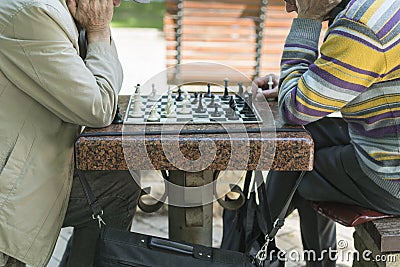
x: 208, y: 94
x: 200, y: 108
x: 216, y: 112
x: 232, y: 103
x: 137, y: 89
x: 212, y: 103
x: 179, y: 97
x: 118, y: 117
x: 196, y: 95
x: 231, y: 112
x: 250, y: 100
x: 225, y: 97
x: 246, y: 109
x: 232, y: 106
x: 233, y: 116
x: 240, y: 94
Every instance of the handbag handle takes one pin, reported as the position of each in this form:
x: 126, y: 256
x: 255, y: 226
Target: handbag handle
x: 262, y: 254
x: 171, y: 246
x: 97, y: 211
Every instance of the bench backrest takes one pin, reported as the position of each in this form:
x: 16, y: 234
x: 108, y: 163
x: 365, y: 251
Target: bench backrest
x: 226, y: 32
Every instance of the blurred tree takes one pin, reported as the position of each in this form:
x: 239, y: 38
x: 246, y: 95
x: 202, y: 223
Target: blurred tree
x: 134, y: 15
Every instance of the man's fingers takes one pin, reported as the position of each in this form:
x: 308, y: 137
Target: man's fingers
x: 264, y: 83
x: 72, y: 5
x: 271, y: 93
x: 261, y: 82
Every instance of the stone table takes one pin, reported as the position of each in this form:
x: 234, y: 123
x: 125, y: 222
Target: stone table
x: 147, y: 147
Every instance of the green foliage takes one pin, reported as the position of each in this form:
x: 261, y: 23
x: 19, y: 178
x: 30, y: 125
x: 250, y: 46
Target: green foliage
x: 134, y: 15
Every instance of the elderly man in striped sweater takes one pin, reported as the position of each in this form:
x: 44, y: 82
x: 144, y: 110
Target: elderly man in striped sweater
x: 356, y: 71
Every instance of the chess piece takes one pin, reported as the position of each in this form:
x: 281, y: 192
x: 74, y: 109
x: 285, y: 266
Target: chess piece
x: 250, y: 100
x: 246, y: 108
x: 270, y: 87
x: 169, y: 92
x: 231, y: 112
x: 179, y: 97
x: 185, y: 102
x: 137, y: 102
x: 208, y: 94
x: 240, y: 94
x: 232, y: 103
x: 184, y: 109
x: 153, y: 116
x: 137, y: 89
x: 186, y: 96
x: 118, y: 117
x: 233, y: 116
x: 170, y: 107
x: 153, y: 96
x: 212, y: 103
x: 225, y: 97
x: 260, y: 96
x: 270, y: 83
x: 195, y: 98
x: 216, y: 112
x: 200, y: 108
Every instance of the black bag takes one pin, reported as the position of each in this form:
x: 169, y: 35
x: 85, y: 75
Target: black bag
x: 246, y: 229
x: 118, y: 248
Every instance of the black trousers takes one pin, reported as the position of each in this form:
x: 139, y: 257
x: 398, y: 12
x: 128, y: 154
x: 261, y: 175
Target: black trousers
x: 117, y: 193
x: 336, y: 177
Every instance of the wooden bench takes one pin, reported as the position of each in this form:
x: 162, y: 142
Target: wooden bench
x: 376, y: 236
x: 247, y: 36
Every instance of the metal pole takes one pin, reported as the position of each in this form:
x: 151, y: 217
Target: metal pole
x: 190, y: 224
x: 260, y: 36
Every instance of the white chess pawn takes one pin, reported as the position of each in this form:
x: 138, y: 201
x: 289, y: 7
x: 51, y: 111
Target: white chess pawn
x: 270, y: 82
x: 169, y: 92
x: 137, y: 109
x: 153, y: 96
x: 185, y: 109
x: 170, y: 108
x: 137, y: 104
x: 259, y: 95
x: 153, y: 116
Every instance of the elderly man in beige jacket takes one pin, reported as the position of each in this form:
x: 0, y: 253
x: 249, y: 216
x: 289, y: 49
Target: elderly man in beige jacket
x: 47, y: 92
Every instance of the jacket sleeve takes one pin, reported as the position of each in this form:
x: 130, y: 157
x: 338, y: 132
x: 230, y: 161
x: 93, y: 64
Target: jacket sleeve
x: 312, y: 86
x: 43, y: 62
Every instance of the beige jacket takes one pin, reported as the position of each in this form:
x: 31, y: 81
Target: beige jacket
x: 46, y: 92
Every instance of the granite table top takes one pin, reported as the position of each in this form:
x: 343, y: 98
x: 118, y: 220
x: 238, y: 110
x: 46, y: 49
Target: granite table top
x: 271, y: 145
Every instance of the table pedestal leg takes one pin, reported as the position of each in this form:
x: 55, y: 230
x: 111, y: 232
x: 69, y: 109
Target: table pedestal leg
x: 190, y: 224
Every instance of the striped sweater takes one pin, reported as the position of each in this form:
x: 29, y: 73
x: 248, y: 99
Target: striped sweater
x: 356, y: 72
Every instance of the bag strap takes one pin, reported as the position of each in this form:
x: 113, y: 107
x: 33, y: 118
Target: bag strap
x: 279, y: 222
x: 97, y: 211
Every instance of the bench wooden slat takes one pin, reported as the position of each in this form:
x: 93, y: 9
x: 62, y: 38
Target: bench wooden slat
x: 226, y: 31
x: 385, y: 233
x: 221, y: 4
x: 218, y: 13
x: 216, y: 22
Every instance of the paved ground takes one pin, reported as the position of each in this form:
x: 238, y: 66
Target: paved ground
x: 142, y: 53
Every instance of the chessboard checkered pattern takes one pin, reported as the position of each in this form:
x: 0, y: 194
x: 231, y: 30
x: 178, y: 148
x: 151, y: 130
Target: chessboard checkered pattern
x: 192, y: 116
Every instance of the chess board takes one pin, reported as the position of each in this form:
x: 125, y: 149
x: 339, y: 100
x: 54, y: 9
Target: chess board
x: 192, y: 116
